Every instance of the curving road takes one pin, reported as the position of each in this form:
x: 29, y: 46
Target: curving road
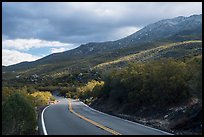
x: 72, y: 117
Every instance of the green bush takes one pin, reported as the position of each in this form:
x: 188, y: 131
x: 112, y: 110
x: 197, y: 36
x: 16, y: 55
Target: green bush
x: 18, y: 116
x: 98, y: 90
x: 156, y: 83
x: 195, y: 69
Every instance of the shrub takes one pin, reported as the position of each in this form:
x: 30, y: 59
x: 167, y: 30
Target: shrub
x: 18, y: 116
x: 41, y: 98
x: 161, y: 83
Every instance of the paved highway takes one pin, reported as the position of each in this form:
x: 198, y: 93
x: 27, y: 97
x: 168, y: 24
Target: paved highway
x: 72, y: 117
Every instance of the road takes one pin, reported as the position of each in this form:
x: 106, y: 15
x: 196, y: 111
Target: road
x: 72, y: 117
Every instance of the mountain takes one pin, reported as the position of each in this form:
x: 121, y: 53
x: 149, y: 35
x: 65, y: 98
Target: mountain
x: 167, y: 28
x: 91, y: 54
x: 164, y: 29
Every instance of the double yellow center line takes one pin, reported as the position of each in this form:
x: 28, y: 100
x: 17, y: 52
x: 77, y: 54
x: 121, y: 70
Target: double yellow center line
x: 91, y: 121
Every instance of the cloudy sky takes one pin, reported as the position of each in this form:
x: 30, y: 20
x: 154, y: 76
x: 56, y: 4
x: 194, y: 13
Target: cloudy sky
x: 35, y: 30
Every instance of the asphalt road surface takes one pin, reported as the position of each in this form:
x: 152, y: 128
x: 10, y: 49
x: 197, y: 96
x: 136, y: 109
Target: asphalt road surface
x: 72, y: 117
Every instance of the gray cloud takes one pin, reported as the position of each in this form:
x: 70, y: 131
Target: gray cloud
x: 85, y: 22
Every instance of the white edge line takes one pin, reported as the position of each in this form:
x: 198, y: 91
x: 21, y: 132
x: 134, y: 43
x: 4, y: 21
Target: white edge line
x: 126, y: 120
x: 43, y: 122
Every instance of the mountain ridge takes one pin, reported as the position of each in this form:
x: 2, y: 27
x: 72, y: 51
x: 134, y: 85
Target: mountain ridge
x: 183, y: 28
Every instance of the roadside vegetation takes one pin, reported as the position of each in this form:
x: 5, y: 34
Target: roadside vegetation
x: 20, y: 109
x: 160, y: 83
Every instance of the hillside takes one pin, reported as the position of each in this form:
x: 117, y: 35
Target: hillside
x: 88, y: 55
x: 173, y: 50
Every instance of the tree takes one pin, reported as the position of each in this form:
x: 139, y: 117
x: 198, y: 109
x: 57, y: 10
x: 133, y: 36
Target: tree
x: 18, y: 116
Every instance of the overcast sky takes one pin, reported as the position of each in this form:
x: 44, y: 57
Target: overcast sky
x: 34, y: 30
